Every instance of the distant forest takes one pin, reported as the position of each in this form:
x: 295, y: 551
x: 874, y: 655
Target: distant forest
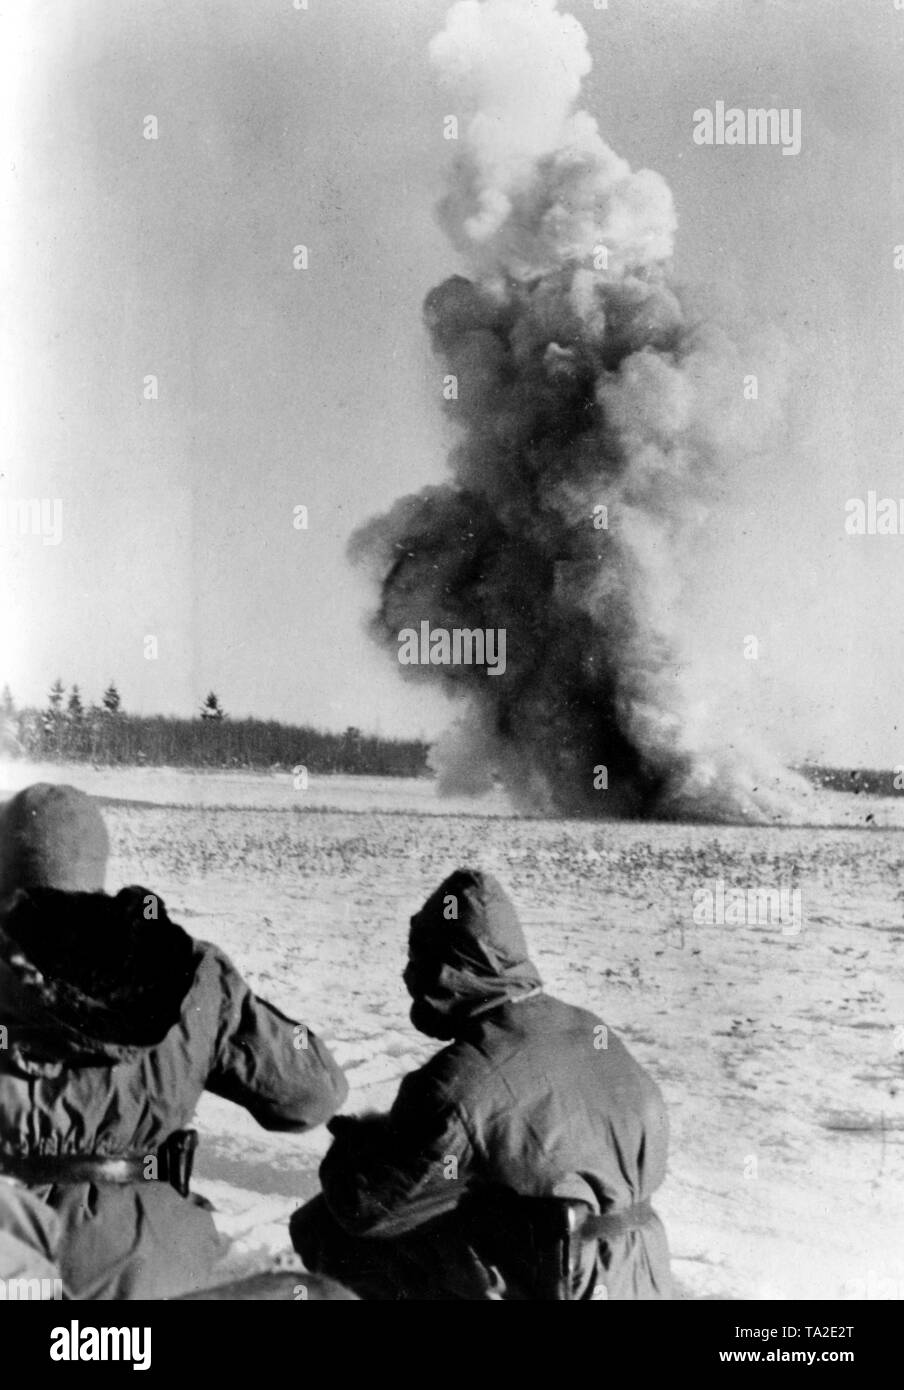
x: 884, y: 782
x: 68, y: 730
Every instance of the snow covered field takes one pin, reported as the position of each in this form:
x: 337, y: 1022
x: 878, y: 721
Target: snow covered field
x: 780, y: 1052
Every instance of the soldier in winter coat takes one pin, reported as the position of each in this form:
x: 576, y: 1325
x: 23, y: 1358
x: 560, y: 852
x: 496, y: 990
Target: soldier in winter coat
x: 116, y: 1021
x: 29, y: 1240
x: 531, y: 1098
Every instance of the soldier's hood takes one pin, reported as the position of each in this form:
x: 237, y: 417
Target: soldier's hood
x: 466, y: 955
x: 89, y: 977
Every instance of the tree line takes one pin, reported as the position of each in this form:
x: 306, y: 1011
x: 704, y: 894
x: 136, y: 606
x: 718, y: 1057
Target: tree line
x: 69, y: 730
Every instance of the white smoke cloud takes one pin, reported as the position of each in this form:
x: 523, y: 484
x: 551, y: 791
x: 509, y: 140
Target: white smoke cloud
x: 535, y: 182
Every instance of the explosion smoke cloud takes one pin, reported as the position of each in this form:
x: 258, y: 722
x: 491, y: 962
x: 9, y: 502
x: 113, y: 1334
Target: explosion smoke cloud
x: 587, y: 380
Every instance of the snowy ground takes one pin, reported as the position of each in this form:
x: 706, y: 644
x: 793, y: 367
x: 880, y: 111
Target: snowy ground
x: 781, y: 1054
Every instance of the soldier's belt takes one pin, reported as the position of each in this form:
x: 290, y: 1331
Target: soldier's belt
x: 172, y: 1162
x: 40, y: 1170
x: 616, y: 1223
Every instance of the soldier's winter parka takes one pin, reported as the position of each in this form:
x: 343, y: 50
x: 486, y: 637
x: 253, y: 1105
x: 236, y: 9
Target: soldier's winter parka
x: 532, y: 1096
x: 117, y: 1020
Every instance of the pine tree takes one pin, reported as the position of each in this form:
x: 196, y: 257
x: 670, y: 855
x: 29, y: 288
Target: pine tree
x: 211, y: 708
x: 55, y: 697
x: 74, y: 706
x: 9, y: 724
x: 111, y: 699
x: 54, y: 719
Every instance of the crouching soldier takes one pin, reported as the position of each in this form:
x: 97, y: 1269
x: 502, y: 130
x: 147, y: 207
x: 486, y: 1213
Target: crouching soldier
x: 29, y: 1239
x: 116, y: 1021
x: 519, y: 1162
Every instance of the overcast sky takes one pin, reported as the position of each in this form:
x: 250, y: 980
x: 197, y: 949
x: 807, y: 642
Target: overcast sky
x: 128, y: 257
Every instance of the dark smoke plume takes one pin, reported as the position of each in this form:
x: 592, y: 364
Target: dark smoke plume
x: 599, y: 417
